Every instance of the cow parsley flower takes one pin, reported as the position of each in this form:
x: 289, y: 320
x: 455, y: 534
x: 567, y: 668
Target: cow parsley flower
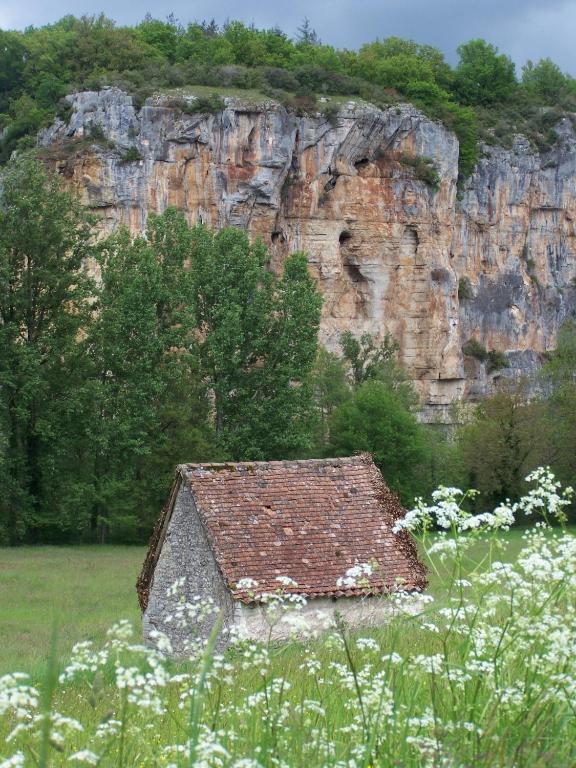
x: 85, y: 756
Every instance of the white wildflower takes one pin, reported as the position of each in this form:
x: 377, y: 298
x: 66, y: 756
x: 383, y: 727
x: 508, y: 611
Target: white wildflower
x: 85, y: 756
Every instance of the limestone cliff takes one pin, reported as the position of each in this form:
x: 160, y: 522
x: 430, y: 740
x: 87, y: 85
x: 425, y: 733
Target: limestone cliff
x: 392, y: 253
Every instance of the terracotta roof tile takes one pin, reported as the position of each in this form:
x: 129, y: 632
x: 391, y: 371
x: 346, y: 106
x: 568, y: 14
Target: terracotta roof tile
x: 308, y: 520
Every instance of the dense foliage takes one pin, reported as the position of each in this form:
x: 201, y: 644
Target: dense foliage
x: 186, y: 347
x: 44, y: 304
x: 40, y: 65
x: 515, y: 430
x: 257, y: 344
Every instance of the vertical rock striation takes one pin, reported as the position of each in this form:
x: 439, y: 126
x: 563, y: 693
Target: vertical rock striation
x: 391, y: 252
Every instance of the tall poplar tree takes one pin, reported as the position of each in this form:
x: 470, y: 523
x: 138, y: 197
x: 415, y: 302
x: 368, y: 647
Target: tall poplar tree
x: 44, y: 303
x: 257, y: 344
x: 148, y: 409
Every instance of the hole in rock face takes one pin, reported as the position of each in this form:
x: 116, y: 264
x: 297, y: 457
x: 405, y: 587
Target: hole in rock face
x: 248, y: 149
x: 330, y: 184
x: 352, y: 270
x: 362, y: 163
x: 440, y: 275
x: 354, y: 274
x: 277, y: 236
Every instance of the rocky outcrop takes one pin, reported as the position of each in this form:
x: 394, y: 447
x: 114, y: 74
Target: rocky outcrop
x: 392, y: 252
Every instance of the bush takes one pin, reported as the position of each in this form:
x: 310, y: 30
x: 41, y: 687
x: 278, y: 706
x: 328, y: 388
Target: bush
x: 496, y: 361
x: 280, y: 79
x: 131, y: 155
x: 301, y: 104
x: 424, y: 169
x: 465, y: 291
x: 95, y: 133
x: 64, y: 110
x: 473, y: 348
x: 208, y: 104
x: 331, y: 112
x: 377, y: 420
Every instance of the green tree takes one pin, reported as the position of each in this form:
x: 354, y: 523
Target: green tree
x: 160, y: 35
x: 377, y: 420
x: 25, y: 118
x: 257, y: 344
x: 366, y: 358
x: 560, y: 376
x: 483, y: 76
x: 368, y: 361
x: 503, y: 442
x: 331, y: 388
x: 546, y: 81
x: 149, y: 410
x: 44, y: 304
x: 12, y: 60
x: 200, y: 45
x: 307, y: 35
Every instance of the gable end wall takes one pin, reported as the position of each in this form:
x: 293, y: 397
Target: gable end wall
x: 186, y: 552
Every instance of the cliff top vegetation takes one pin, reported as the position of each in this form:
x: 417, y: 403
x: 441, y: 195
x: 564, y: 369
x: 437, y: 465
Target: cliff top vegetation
x: 481, y: 97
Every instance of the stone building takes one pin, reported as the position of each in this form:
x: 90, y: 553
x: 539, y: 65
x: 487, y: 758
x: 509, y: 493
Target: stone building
x: 240, y: 532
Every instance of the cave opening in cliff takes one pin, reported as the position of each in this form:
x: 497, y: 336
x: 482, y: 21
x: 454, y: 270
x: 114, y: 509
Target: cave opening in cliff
x: 277, y: 236
x: 354, y: 274
x: 352, y: 269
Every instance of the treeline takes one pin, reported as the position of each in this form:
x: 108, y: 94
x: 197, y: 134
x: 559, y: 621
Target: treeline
x: 481, y: 95
x: 122, y: 357
x: 186, y: 348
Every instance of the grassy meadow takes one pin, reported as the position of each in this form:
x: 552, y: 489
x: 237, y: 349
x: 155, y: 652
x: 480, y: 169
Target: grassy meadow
x: 80, y: 590
x: 484, y: 676
x: 83, y: 590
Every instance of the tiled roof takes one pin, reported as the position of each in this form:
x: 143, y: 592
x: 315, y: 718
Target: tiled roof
x: 308, y: 520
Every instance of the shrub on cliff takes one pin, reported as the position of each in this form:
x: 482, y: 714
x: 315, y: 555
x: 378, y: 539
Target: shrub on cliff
x: 474, y: 348
x: 423, y: 168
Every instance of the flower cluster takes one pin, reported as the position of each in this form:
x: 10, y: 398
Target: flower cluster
x: 357, y: 576
x: 448, y: 511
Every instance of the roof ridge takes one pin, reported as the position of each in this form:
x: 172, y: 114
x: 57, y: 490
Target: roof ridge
x: 359, y: 458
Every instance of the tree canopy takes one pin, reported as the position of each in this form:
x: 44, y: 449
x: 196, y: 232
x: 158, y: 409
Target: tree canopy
x: 42, y: 64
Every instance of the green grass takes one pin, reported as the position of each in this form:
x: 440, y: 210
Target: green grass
x: 245, y: 94
x: 370, y: 711
x: 83, y: 589
x: 252, y: 95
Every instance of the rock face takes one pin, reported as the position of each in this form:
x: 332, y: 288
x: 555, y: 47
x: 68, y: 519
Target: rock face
x: 391, y: 252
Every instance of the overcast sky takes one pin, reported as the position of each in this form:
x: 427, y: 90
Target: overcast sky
x: 525, y: 29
